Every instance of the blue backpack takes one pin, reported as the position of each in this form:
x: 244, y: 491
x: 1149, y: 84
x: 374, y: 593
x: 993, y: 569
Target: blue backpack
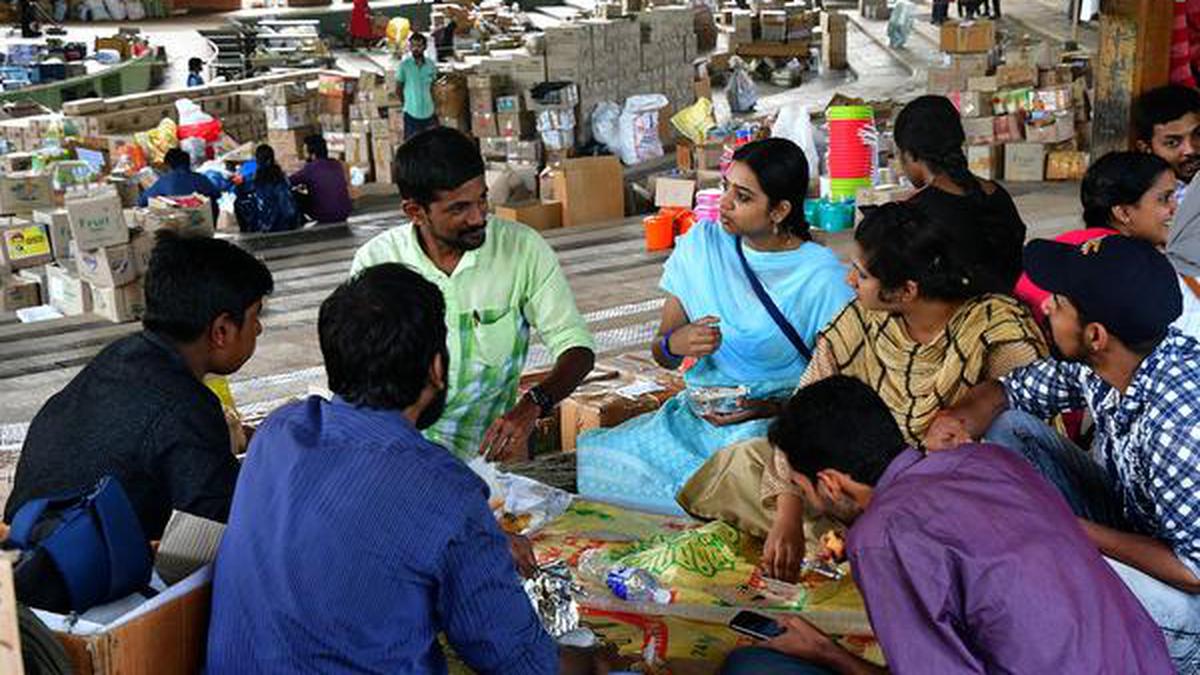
x: 79, y: 549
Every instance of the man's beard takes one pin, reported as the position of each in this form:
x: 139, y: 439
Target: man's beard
x: 1058, y: 354
x: 432, y: 412
x: 467, y: 240
x: 1188, y: 168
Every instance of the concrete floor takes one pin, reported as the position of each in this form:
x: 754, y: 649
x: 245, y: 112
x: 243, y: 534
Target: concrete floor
x: 615, y: 281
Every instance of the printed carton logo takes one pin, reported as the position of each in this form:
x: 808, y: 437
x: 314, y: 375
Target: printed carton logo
x: 27, y: 242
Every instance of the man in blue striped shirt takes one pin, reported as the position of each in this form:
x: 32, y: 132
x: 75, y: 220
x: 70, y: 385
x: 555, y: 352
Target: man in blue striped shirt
x: 353, y: 542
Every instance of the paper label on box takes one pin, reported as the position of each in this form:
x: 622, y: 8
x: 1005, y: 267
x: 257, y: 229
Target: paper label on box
x: 639, y: 388
x: 25, y: 242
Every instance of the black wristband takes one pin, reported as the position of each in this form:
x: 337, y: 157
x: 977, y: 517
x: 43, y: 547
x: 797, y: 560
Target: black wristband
x: 541, y: 399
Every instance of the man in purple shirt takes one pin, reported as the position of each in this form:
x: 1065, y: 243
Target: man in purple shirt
x: 328, y: 196
x: 967, y: 559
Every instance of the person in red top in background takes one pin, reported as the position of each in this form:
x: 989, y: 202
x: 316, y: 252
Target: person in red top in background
x: 1129, y: 193
x: 360, y: 23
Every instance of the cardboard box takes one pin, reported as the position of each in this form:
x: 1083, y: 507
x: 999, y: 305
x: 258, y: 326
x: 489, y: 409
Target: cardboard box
x: 141, y: 245
x: 1055, y: 130
x: 983, y: 83
x: 536, y: 214
x: 986, y: 161
x: 1008, y: 128
x: 107, y: 267
x: 613, y: 397
x: 96, y: 219
x: 483, y: 125
x: 515, y: 125
x: 591, y: 189
x: 945, y: 79
x: 23, y: 192
x: 11, y: 661
x: 126, y: 303
x: 510, y: 104
x: 167, y: 634
x: 1053, y: 99
x: 294, y: 116
x: 66, y: 292
x: 1010, y: 76
x: 972, y: 103
x: 1066, y: 165
x: 23, y: 244
x: 968, y: 36
x: 18, y: 293
x: 527, y: 152
x: 1025, y: 162
x: 674, y: 192
x: 979, y: 130
x: 58, y: 224
x: 973, y: 65
x: 190, y: 216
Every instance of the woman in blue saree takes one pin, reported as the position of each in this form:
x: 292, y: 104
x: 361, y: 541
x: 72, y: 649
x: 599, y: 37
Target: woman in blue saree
x: 714, y: 315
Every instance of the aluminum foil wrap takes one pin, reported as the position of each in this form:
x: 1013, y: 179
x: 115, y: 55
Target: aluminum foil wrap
x: 553, y: 591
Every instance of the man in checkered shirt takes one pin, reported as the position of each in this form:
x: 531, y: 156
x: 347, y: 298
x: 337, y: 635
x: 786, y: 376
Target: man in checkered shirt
x: 1137, y: 492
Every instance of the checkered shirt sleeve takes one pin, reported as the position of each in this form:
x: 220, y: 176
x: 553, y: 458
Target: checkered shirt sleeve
x: 1046, y: 387
x: 1173, y: 466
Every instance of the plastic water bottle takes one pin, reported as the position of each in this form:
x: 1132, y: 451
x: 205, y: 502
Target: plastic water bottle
x: 633, y: 584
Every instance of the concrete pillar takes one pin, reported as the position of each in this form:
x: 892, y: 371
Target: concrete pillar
x: 1135, y: 45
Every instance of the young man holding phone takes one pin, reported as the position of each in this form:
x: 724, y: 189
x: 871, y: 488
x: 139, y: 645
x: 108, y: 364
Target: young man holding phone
x: 967, y: 559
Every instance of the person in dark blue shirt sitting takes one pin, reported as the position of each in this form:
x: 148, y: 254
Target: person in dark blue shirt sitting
x: 140, y: 410
x: 265, y: 203
x: 195, y: 79
x: 353, y: 542
x: 180, y: 180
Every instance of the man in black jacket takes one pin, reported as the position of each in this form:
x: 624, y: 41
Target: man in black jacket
x: 140, y: 410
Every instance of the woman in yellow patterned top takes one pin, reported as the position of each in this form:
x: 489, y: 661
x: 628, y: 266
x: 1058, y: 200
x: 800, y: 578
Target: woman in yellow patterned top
x: 920, y: 332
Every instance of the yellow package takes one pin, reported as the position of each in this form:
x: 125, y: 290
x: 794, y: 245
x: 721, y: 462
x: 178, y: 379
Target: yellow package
x: 694, y: 121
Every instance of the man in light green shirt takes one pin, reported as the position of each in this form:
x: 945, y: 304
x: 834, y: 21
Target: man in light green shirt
x: 414, y: 79
x: 499, y: 279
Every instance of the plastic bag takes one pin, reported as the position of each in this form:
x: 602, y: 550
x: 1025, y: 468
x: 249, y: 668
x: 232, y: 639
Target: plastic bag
x: 129, y: 159
x: 157, y: 141
x: 93, y: 10
x: 900, y: 24
x: 694, y: 121
x: 196, y: 148
x: 116, y: 9
x: 195, y: 123
x: 639, y: 140
x: 795, y: 124
x: 741, y: 92
x: 135, y: 9
x: 397, y: 33
x: 606, y: 124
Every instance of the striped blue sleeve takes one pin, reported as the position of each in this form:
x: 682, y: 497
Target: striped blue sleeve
x: 486, y: 615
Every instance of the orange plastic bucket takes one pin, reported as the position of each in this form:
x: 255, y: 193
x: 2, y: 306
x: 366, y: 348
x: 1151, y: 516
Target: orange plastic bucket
x: 660, y: 232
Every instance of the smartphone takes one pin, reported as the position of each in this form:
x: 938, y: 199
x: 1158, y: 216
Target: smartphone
x: 755, y: 625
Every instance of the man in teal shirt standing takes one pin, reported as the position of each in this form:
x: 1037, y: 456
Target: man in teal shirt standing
x: 499, y: 279
x: 414, y: 80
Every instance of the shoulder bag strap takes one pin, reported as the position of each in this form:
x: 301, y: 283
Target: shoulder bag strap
x: 769, y: 305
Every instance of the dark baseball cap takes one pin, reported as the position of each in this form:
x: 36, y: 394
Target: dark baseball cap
x: 1126, y: 285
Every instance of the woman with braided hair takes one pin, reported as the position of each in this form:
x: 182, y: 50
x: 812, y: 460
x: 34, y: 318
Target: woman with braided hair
x: 929, y: 139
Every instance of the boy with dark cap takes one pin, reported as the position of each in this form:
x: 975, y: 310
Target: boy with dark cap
x: 1138, y: 491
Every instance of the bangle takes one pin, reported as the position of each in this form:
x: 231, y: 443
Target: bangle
x: 665, y: 345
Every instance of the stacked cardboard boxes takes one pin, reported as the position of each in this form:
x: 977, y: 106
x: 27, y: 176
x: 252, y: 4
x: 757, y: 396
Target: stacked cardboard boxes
x: 833, y: 40
x: 1028, y: 121
x: 103, y: 256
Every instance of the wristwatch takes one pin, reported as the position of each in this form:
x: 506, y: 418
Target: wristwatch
x: 541, y: 399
